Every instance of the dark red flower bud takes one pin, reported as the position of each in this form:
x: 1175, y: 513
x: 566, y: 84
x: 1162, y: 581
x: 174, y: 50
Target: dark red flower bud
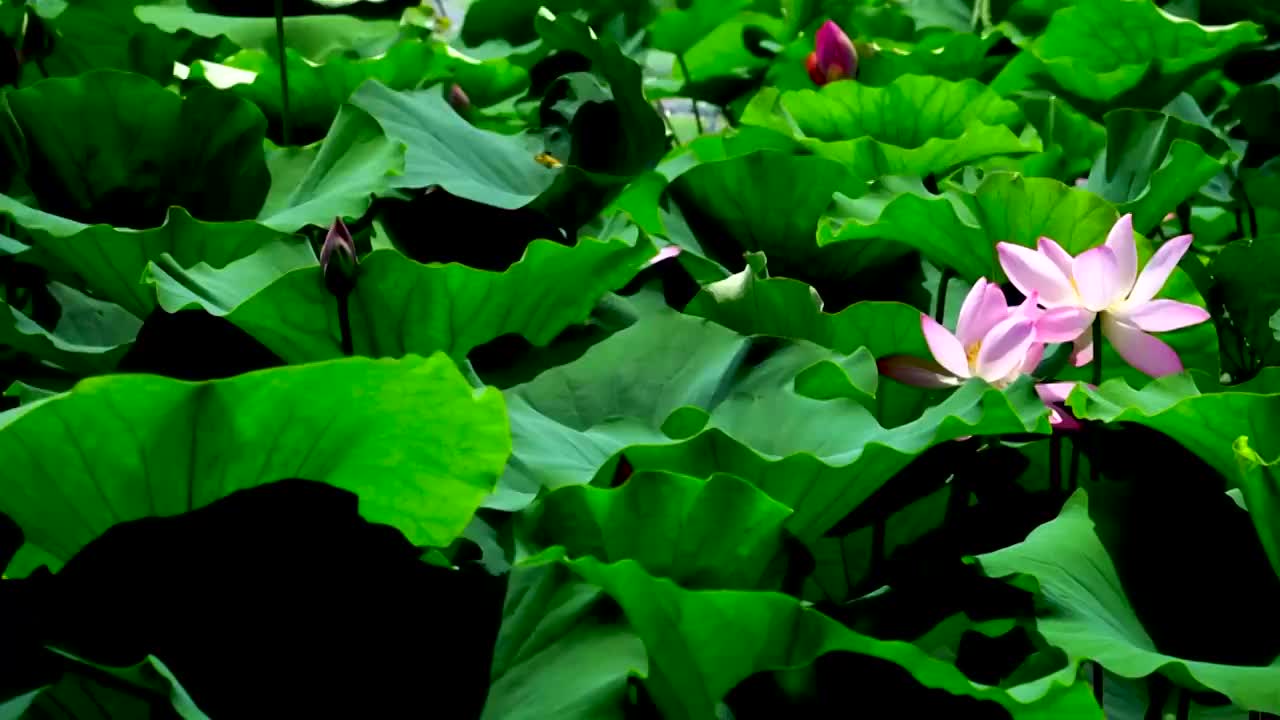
x: 338, y: 259
x: 833, y: 57
x: 458, y: 98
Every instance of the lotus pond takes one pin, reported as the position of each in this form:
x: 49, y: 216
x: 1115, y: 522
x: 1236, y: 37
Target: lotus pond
x: 627, y: 359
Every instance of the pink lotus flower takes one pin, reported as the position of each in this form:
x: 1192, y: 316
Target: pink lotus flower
x: 992, y: 341
x: 1105, y: 280
x: 1054, y: 396
x: 833, y: 57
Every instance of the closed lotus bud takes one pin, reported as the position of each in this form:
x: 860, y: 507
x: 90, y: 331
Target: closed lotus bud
x: 338, y: 259
x: 458, y: 99
x: 833, y: 57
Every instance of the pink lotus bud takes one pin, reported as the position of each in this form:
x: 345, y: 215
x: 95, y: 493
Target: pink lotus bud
x: 833, y: 57
x: 338, y: 259
x: 458, y: 98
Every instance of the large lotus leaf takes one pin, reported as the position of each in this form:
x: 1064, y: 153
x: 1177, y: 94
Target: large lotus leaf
x: 702, y: 644
x: 1130, y: 52
x: 1244, y: 274
x: 1152, y: 163
x: 951, y: 56
x: 101, y: 34
x: 123, y: 447
x: 678, y: 30
x: 89, y: 338
x: 317, y: 91
x: 769, y: 202
x: 400, y: 306
x: 312, y: 185
x: 867, y: 128
x: 85, y: 161
x: 1090, y: 616
x: 561, y: 632
x: 959, y: 229
x: 1236, y: 431
x: 670, y: 379
x: 87, y: 690
x: 445, y: 150
x: 315, y: 37
x: 111, y: 261
x: 716, y: 533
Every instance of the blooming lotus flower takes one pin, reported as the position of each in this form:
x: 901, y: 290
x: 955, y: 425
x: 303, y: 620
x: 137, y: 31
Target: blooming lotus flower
x: 992, y: 341
x: 833, y: 56
x: 1105, y: 281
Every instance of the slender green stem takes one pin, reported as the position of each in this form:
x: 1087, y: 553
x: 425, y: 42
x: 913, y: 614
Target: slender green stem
x: 344, y: 324
x: 940, y: 302
x: 684, y: 69
x: 1098, y: 694
x: 285, y: 121
x: 1184, y: 705
x: 878, y: 531
x: 1055, y: 464
x: 1053, y: 107
x: 1073, y: 473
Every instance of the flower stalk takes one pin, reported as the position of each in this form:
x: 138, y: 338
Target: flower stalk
x: 286, y: 129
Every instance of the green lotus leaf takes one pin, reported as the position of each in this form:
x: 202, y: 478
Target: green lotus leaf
x: 716, y: 533
x: 400, y: 306
x: 111, y: 260
x: 136, y: 446
x: 445, y: 150
x: 1152, y: 163
x: 338, y: 178
x: 1090, y: 616
x: 671, y: 381
x: 90, y: 336
x: 83, y: 159
x: 1131, y: 52
x: 864, y: 127
x: 315, y: 37
x: 702, y: 644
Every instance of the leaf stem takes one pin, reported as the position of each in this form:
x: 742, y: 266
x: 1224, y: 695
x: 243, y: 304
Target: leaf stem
x: 1098, y: 694
x: 344, y: 324
x: 684, y: 69
x: 1055, y: 464
x: 285, y: 122
x: 878, y: 531
x: 1184, y: 704
x: 940, y: 302
x: 1097, y: 350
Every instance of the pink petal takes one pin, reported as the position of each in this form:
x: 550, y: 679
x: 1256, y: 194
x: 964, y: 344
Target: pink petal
x: 1055, y: 392
x: 1029, y: 309
x: 984, y: 306
x: 1063, y: 324
x: 1004, y: 349
x: 1145, y: 352
x: 1162, y: 315
x: 1120, y: 242
x: 1054, y: 251
x: 1034, y: 355
x: 1097, y: 278
x: 1157, y: 271
x: 1032, y: 272
x: 946, y: 349
x: 1082, y: 350
x: 914, y: 371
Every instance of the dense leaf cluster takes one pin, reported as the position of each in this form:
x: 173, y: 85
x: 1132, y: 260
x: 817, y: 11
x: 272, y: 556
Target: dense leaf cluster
x: 529, y: 359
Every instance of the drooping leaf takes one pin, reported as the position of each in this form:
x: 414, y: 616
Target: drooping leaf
x: 136, y: 446
x: 84, y: 160
x: 498, y: 170
x: 400, y: 306
x: 313, y: 185
x: 1242, y: 272
x: 89, y: 338
x: 1090, y: 616
x: 1152, y: 163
